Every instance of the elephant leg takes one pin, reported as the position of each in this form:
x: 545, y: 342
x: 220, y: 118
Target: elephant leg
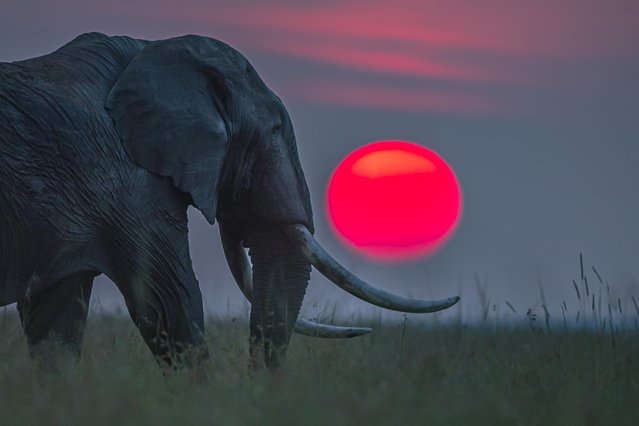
x: 162, y: 296
x: 59, y: 312
x: 169, y: 316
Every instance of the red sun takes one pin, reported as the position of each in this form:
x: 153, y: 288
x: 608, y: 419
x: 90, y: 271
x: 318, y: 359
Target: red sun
x: 394, y: 201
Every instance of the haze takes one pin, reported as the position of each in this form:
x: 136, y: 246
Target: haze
x: 535, y: 106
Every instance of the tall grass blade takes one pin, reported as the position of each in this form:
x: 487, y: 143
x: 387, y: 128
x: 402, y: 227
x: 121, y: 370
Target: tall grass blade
x: 576, y: 290
x: 586, y: 285
x: 597, y: 274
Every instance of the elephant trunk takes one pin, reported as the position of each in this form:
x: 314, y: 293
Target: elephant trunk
x: 242, y: 272
x: 280, y: 276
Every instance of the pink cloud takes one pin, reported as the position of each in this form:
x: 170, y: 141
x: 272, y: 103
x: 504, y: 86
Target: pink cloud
x: 372, y: 59
x: 354, y: 94
x: 493, y: 43
x: 566, y: 28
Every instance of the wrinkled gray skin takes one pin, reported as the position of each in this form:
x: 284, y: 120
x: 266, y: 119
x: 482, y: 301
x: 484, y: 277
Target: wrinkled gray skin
x: 103, y: 146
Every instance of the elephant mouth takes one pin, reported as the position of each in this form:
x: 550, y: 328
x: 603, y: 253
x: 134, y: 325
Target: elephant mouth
x: 313, y: 252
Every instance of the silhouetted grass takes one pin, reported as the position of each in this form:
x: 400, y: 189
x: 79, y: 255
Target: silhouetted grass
x: 580, y: 368
x: 401, y: 374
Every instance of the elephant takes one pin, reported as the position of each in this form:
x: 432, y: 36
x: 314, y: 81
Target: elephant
x: 105, y: 143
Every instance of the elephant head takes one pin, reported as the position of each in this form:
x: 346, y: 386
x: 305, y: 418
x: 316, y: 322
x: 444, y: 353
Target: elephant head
x: 193, y: 110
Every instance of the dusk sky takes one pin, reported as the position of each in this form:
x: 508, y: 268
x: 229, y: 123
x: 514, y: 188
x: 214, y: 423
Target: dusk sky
x: 534, y: 104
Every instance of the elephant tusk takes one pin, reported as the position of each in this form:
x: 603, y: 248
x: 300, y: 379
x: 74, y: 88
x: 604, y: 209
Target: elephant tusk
x: 240, y: 266
x: 347, y: 281
x: 238, y: 262
x: 315, y: 329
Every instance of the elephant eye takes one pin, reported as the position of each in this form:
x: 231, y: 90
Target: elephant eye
x: 276, y: 129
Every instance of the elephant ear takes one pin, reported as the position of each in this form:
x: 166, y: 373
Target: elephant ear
x: 168, y: 107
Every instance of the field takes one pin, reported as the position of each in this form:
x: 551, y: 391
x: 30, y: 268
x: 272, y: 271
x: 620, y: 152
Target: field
x: 400, y: 374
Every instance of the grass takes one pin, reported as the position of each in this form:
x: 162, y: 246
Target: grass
x: 512, y: 367
x: 400, y: 374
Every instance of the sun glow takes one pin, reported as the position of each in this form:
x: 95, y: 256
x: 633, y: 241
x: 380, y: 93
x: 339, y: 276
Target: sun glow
x: 394, y: 201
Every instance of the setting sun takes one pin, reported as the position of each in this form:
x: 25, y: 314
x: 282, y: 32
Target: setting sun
x: 394, y: 200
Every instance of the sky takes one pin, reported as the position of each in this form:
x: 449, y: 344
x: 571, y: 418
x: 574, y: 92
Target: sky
x: 534, y: 104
